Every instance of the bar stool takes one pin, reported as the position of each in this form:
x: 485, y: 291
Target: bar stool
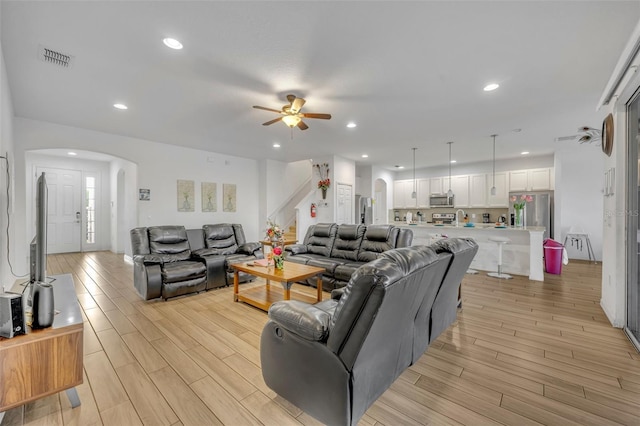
x: 501, y: 241
x: 576, y: 234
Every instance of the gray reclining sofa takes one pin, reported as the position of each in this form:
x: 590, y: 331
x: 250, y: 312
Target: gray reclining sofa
x: 333, y: 359
x: 341, y: 249
x: 171, y: 261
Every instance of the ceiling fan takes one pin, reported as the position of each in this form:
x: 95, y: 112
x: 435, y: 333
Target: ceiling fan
x: 585, y: 135
x: 291, y: 115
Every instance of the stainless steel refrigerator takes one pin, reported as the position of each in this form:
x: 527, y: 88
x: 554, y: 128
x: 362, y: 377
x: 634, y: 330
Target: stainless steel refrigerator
x: 538, y: 212
x: 364, y: 210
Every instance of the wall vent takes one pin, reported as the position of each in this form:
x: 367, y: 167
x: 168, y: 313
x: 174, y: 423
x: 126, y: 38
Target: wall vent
x: 54, y: 57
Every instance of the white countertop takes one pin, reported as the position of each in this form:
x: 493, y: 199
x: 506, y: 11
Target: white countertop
x: 477, y: 226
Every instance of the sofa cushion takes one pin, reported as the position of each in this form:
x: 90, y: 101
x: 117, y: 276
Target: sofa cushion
x: 343, y: 272
x: 377, y: 239
x: 347, y: 242
x: 328, y: 264
x: 321, y: 239
x: 220, y: 238
x: 181, y: 271
x: 238, y: 258
x: 169, y: 242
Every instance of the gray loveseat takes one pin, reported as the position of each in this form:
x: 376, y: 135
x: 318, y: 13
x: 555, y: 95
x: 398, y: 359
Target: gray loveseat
x: 333, y: 359
x: 171, y: 261
x: 341, y: 249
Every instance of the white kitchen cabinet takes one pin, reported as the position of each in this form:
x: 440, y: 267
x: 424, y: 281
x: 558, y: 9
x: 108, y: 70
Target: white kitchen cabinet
x: 478, y: 190
x: 402, y: 190
x: 531, y: 180
x: 424, y: 191
x: 460, y: 188
x: 435, y: 185
x: 501, y: 199
x: 540, y: 179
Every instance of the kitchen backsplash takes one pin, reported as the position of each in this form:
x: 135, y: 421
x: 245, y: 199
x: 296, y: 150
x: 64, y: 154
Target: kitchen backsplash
x: 494, y: 214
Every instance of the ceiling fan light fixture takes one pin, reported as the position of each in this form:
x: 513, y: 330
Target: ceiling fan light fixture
x: 291, y: 120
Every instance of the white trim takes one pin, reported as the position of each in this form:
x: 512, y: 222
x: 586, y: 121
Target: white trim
x: 621, y: 71
x: 611, y: 318
x: 128, y: 259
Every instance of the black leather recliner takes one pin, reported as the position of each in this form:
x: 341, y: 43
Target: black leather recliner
x: 335, y: 358
x: 163, y: 263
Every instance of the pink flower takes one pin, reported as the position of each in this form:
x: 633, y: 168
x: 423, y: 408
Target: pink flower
x: 277, y: 251
x: 529, y: 198
x: 513, y: 198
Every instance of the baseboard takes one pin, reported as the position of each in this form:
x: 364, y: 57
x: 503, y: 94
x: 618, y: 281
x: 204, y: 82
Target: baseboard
x: 128, y: 259
x: 614, y: 323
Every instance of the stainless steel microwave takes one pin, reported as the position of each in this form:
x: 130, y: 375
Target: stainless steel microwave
x: 440, y: 200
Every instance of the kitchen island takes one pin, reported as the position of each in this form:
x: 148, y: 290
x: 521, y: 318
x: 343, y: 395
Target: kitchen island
x: 521, y: 256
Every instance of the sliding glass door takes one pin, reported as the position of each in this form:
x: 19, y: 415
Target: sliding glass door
x: 632, y: 327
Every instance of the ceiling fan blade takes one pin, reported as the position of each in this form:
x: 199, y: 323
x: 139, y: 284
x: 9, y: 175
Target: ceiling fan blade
x: 275, y: 120
x: 296, y: 105
x: 302, y: 126
x: 267, y: 109
x: 316, y: 115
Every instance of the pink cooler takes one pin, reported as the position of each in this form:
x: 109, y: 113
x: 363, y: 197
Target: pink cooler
x: 552, y: 256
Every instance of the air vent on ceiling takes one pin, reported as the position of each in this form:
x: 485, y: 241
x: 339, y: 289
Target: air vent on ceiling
x: 54, y: 57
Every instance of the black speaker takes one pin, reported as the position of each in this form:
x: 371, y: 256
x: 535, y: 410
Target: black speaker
x: 11, y: 315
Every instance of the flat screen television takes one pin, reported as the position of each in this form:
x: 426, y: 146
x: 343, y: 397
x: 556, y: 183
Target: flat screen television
x: 38, y: 248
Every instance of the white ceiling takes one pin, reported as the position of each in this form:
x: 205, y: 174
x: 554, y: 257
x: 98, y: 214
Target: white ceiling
x: 408, y: 73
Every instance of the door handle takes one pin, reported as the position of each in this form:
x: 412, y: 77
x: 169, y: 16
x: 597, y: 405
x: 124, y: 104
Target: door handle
x: 77, y: 217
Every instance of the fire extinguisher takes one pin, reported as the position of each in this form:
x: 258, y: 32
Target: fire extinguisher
x: 313, y: 210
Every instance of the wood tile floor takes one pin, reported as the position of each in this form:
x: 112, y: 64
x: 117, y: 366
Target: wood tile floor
x: 521, y: 352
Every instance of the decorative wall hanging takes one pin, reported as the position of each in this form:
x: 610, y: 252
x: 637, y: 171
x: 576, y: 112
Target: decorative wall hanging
x: 144, y: 194
x: 209, y: 196
x: 228, y: 197
x: 607, y: 135
x: 186, y: 195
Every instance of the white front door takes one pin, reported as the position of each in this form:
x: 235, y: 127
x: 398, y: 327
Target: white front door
x: 344, y: 213
x: 64, y: 209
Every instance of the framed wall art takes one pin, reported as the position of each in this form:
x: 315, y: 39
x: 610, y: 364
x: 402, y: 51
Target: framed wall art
x: 186, y: 196
x: 144, y: 194
x: 209, y: 196
x: 228, y: 197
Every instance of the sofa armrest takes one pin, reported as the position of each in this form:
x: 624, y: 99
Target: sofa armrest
x: 296, y: 249
x: 337, y: 293
x: 249, y: 248
x: 300, y: 318
x: 149, y: 259
x: 147, y: 276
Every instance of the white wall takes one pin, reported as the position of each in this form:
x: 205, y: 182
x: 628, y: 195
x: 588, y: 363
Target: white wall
x: 123, y: 218
x: 579, y: 195
x: 387, y: 176
x: 159, y: 166
x: 6, y: 149
x: 614, y: 256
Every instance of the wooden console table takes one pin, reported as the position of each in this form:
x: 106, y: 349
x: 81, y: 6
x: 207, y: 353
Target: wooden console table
x: 47, y: 361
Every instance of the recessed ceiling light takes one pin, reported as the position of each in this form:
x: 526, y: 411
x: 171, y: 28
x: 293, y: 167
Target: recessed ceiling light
x: 120, y: 106
x: 399, y: 167
x: 517, y: 130
x: 172, y: 43
x: 490, y: 87
x: 71, y: 153
x: 524, y: 153
x: 365, y: 156
x: 351, y: 125
x: 276, y: 145
x: 453, y: 161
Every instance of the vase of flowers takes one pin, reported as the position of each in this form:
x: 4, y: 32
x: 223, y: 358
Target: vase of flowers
x: 278, y: 257
x: 324, y: 182
x: 274, y: 232
x: 518, y: 207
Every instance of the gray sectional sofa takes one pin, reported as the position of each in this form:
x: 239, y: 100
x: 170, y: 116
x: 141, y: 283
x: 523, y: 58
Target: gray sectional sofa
x: 341, y: 249
x: 172, y: 261
x: 333, y: 359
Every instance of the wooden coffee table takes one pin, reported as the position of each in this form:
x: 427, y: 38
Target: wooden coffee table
x: 263, y: 297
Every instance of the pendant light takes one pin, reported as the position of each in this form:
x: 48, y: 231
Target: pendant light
x: 449, y: 192
x: 414, y: 194
x: 493, y: 187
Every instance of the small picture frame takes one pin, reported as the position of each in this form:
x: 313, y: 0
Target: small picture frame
x: 144, y: 194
